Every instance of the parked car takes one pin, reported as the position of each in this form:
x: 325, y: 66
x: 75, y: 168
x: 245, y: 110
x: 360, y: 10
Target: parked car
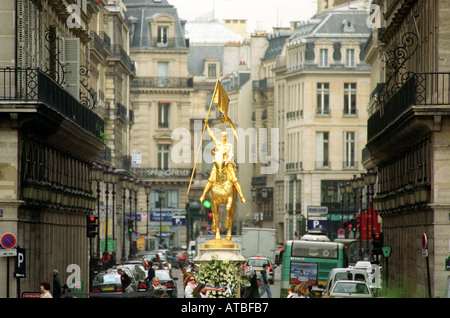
x: 169, y: 281
x: 257, y: 263
x: 350, y: 289
x: 109, y: 282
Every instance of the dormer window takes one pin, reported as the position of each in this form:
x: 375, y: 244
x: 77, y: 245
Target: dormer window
x: 163, y: 36
x: 323, y: 62
x: 349, y: 25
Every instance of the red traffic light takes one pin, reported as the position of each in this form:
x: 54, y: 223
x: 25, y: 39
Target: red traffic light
x: 92, y: 218
x: 376, y: 236
x: 210, y: 215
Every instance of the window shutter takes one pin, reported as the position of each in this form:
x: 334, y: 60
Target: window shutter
x: 72, y: 66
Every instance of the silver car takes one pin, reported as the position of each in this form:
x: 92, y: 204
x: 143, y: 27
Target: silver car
x: 257, y: 263
x: 350, y: 289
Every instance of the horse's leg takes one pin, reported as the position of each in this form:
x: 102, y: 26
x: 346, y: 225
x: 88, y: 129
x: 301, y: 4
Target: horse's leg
x: 231, y: 206
x: 215, y: 224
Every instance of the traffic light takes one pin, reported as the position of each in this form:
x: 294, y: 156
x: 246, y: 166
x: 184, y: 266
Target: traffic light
x: 130, y: 225
x: 354, y: 226
x: 92, y: 226
x: 377, y: 243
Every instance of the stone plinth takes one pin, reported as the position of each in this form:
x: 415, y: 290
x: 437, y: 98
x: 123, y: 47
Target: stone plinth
x: 224, y: 254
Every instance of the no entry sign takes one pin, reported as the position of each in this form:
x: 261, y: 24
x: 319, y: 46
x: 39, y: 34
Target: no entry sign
x: 8, y: 240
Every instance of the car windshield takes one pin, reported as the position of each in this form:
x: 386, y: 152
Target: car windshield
x: 350, y: 288
x: 107, y: 279
x: 163, y: 275
x: 257, y: 262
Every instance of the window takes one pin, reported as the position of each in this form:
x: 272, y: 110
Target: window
x: 163, y: 115
x: 322, y: 149
x: 323, y: 55
x: 163, y: 157
x: 163, y: 36
x: 349, y: 149
x: 323, y: 91
x: 349, y: 98
x: 211, y: 70
x: 163, y: 73
x: 350, y: 58
x: 170, y: 199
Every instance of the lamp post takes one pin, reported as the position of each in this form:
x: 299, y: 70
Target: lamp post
x: 148, y: 189
x: 130, y: 189
x: 98, y: 176
x: 370, y: 179
x: 107, y: 181
x: 161, y: 196
x: 124, y: 184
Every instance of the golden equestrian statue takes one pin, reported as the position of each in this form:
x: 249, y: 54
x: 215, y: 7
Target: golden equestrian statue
x: 222, y: 185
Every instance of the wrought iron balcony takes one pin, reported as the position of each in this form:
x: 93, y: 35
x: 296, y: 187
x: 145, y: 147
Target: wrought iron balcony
x: 420, y: 89
x: 162, y: 82
x: 18, y: 85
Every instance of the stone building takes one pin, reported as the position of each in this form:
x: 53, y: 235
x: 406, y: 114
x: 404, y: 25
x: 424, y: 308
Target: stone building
x: 321, y: 91
x: 161, y: 99
x: 50, y: 131
x: 407, y: 141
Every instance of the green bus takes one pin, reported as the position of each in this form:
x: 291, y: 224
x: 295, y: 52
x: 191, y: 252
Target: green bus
x: 310, y: 261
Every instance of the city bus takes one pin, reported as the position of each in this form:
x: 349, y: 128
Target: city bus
x: 310, y: 261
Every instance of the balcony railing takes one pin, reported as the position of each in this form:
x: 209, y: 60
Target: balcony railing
x: 119, y: 51
x: 160, y: 81
x: 32, y: 85
x: 421, y: 89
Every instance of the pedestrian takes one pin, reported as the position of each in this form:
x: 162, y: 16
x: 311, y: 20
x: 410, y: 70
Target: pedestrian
x: 190, y: 286
x: 57, y: 287
x: 45, y: 290
x: 252, y: 291
x: 151, y: 272
x: 126, y: 281
x: 186, y: 274
x: 302, y: 290
x: 310, y: 292
x: 291, y: 292
x: 199, y: 291
x: 265, y: 286
x: 156, y: 289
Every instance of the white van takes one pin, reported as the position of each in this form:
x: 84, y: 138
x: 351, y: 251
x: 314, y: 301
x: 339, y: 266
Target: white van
x: 348, y: 273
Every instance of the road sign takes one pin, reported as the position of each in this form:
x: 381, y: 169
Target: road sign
x: 8, y: 240
x: 20, y: 265
x: 317, y: 210
x: 424, y: 241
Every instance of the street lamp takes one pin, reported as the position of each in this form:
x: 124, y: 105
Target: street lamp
x: 124, y: 184
x: 161, y: 196
x: 148, y: 189
x: 370, y: 178
x: 97, y: 174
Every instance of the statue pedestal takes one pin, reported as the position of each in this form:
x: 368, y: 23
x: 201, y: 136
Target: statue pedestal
x: 224, y: 250
x: 210, y: 259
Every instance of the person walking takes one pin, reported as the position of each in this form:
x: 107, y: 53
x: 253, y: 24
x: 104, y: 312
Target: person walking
x: 265, y: 285
x: 151, y: 272
x: 57, y: 287
x: 126, y: 281
x: 45, y: 290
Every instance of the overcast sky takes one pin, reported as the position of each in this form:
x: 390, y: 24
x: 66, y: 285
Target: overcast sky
x: 261, y: 14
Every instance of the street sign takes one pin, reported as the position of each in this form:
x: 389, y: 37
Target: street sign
x: 386, y: 251
x: 424, y: 241
x: 8, y: 240
x: 317, y: 224
x: 8, y: 252
x: 317, y: 210
x: 20, y: 265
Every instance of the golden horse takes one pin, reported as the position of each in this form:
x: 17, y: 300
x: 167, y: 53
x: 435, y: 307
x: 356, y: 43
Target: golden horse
x: 222, y: 191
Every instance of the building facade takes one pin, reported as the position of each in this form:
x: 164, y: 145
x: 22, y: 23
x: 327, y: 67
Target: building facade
x: 321, y: 91
x: 407, y: 141
x: 50, y: 130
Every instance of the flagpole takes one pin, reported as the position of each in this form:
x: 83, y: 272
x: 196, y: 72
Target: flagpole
x: 204, y: 127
